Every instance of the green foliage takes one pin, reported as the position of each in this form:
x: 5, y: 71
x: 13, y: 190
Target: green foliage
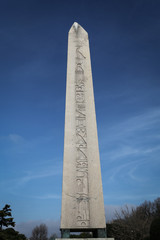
x: 11, y: 234
x: 155, y: 229
x: 6, y: 217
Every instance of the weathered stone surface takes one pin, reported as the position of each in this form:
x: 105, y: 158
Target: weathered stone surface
x: 82, y: 196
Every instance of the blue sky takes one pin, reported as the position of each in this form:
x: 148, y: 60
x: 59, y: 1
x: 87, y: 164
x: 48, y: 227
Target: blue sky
x: 125, y: 53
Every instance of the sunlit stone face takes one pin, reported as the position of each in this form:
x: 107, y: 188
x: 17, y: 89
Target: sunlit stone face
x: 82, y: 196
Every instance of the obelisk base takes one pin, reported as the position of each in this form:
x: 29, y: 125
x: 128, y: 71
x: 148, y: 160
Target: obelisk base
x: 85, y: 238
x: 97, y: 233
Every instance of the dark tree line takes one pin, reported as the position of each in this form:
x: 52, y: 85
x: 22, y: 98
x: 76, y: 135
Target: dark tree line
x: 6, y: 220
x: 40, y: 233
x: 6, y: 217
x: 11, y: 234
x: 136, y: 223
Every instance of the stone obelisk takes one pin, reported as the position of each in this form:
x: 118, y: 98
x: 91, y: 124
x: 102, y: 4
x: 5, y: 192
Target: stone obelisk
x: 82, y: 195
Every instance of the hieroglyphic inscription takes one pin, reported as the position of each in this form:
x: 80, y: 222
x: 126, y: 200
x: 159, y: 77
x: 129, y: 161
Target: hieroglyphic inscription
x: 82, y: 190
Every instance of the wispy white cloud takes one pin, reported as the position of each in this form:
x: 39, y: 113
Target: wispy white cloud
x: 28, y: 177
x: 15, y: 138
x: 48, y: 196
x: 133, y: 125
x: 21, y: 144
x: 125, y: 168
x: 130, y: 150
x: 120, y: 152
x: 134, y: 136
x: 52, y: 171
x: 126, y: 150
x: 131, y: 197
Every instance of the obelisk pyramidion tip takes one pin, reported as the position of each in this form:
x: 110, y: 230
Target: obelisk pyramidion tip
x: 77, y: 29
x: 75, y: 25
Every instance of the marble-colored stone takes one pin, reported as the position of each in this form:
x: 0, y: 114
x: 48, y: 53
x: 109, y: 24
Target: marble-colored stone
x: 82, y: 195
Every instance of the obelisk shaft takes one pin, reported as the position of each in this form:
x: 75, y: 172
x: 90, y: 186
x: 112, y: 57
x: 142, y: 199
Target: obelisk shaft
x: 82, y: 196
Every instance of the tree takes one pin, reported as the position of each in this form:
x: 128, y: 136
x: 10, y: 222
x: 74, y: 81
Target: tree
x: 155, y: 229
x: 53, y: 237
x: 156, y: 207
x: 39, y: 232
x: 11, y: 234
x: 6, y: 217
x: 134, y: 223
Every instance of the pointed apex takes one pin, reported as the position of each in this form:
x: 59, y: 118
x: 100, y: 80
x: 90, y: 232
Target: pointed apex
x: 78, y: 29
x: 76, y: 26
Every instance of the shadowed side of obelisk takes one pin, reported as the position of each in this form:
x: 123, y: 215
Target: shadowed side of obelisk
x: 82, y: 196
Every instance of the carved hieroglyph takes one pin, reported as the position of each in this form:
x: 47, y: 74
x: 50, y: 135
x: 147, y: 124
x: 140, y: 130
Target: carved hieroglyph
x: 82, y: 196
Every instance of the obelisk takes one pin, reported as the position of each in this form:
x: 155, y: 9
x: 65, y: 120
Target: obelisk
x: 82, y: 195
